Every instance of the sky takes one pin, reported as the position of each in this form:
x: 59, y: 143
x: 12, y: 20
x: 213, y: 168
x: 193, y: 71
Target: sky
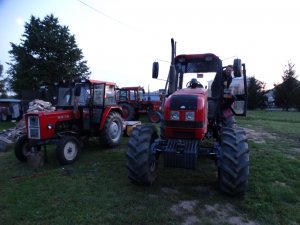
x: 120, y: 39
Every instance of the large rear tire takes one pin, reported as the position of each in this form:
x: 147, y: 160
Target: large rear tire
x: 112, y: 130
x: 67, y: 150
x: 22, y: 148
x: 141, y: 161
x: 128, y: 112
x: 233, y: 164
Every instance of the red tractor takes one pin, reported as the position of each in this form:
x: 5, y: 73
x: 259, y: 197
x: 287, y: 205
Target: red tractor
x: 193, y: 124
x: 84, y: 108
x: 135, y: 101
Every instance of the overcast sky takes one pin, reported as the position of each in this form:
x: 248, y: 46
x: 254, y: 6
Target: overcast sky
x: 121, y: 38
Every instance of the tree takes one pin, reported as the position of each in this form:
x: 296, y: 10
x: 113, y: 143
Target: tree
x: 2, y: 83
x: 296, y: 94
x: 256, y: 96
x: 47, y: 53
x: 285, y: 94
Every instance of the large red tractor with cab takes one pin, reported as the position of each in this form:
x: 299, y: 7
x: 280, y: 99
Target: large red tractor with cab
x: 194, y: 125
x: 135, y: 101
x: 84, y: 108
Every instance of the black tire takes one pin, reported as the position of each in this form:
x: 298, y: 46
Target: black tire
x: 128, y: 112
x: 141, y: 161
x: 112, y: 130
x: 233, y: 164
x: 68, y: 149
x: 22, y: 148
x: 154, y: 117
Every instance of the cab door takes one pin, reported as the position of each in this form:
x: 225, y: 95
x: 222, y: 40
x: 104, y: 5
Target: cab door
x: 239, y: 88
x: 97, y: 105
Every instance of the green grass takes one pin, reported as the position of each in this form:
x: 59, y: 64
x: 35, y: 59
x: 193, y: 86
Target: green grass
x: 281, y: 122
x: 95, y: 189
x: 5, y: 125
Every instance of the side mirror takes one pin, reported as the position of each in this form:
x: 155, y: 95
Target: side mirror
x: 77, y: 90
x: 155, y: 70
x: 237, y: 67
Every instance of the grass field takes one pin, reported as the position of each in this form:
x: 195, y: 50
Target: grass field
x: 95, y: 189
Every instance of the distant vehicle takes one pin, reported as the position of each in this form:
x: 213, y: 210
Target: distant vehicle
x: 135, y: 101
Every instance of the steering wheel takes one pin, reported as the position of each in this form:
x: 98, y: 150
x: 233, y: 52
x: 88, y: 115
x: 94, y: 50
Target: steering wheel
x: 196, y: 84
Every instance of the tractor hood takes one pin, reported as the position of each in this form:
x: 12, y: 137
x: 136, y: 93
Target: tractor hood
x: 185, y: 114
x: 191, y: 91
x: 42, y: 125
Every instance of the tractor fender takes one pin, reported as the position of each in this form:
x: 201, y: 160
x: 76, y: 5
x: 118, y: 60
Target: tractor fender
x: 106, y: 111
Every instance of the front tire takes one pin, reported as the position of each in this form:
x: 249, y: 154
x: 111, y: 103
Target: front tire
x: 67, y: 150
x: 22, y: 148
x: 141, y: 161
x: 112, y: 130
x: 233, y: 171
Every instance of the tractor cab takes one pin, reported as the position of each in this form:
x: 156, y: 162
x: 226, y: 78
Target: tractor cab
x: 88, y: 99
x: 206, y: 71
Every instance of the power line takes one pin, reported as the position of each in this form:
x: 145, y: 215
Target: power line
x: 103, y: 14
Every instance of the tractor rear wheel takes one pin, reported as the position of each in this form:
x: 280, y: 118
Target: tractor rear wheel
x: 67, y: 150
x: 128, y: 111
x: 22, y: 148
x: 233, y: 171
x: 141, y: 160
x: 112, y: 130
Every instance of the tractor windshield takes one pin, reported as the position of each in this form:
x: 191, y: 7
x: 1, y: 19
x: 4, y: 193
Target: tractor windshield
x: 110, y: 95
x: 197, y: 67
x: 65, y: 96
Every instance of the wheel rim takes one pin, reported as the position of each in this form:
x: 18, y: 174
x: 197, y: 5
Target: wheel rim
x: 154, y: 118
x: 70, y: 151
x: 114, y: 130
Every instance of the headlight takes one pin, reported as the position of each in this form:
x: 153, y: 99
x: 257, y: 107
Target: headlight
x: 190, y: 116
x: 174, y: 115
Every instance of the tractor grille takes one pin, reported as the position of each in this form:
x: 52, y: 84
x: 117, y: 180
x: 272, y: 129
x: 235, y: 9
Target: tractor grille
x: 33, y: 127
x: 186, y: 102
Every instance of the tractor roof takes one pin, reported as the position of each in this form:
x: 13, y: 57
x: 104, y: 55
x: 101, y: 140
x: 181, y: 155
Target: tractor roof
x: 131, y: 88
x: 202, y: 57
x: 102, y: 82
x: 207, y: 62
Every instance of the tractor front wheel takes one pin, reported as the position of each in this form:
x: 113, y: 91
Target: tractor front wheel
x: 233, y: 171
x: 22, y: 148
x: 112, y: 130
x: 141, y: 160
x: 67, y: 150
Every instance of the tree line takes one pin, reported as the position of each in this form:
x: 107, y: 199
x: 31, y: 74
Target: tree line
x: 286, y: 94
x: 48, y: 52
